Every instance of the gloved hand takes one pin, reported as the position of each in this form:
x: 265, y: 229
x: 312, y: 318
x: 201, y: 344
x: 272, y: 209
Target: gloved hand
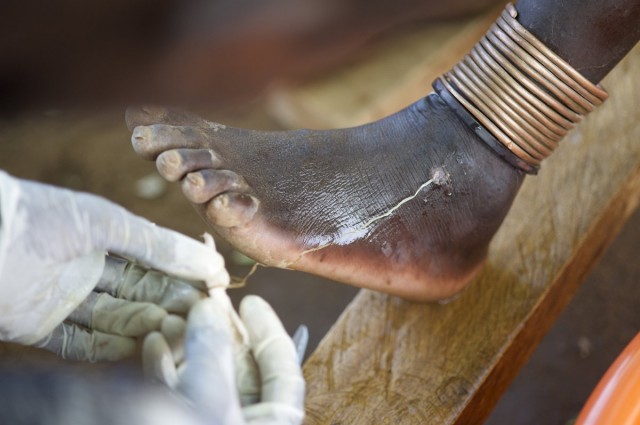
x: 53, y: 243
x: 207, y: 378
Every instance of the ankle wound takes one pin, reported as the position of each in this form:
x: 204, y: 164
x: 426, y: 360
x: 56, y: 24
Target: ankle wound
x: 520, y: 91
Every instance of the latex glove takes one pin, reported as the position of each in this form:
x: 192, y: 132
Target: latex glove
x: 247, y: 375
x: 53, y: 243
x: 130, y: 300
x: 208, y: 377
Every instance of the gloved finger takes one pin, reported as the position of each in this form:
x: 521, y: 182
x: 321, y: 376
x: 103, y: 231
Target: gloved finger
x: 277, y: 359
x: 71, y: 342
x: 246, y: 370
x: 116, y: 230
x: 208, y: 378
x: 158, y: 364
x: 247, y: 375
x: 173, y: 329
x: 272, y: 414
x: 300, y: 341
x: 128, y: 281
x: 111, y: 315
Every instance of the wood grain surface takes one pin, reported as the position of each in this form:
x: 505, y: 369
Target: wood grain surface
x: 388, y: 361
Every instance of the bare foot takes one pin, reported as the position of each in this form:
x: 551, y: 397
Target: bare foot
x: 406, y: 205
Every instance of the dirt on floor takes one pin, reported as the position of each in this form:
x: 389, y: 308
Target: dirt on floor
x: 90, y: 151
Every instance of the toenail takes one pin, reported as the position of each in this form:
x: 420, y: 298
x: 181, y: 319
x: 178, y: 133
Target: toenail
x: 170, y: 159
x: 221, y: 202
x: 151, y: 110
x: 195, y: 179
x: 141, y: 133
x: 232, y: 209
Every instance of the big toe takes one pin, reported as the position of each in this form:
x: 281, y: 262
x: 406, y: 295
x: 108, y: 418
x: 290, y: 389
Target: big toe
x: 150, y: 141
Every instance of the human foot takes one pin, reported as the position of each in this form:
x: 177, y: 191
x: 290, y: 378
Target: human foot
x: 406, y: 205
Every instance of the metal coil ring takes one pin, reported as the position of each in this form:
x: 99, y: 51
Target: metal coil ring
x: 524, y: 94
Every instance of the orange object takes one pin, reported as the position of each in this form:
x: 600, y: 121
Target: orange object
x: 616, y: 399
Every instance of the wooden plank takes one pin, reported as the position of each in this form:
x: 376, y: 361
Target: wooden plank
x: 392, y: 361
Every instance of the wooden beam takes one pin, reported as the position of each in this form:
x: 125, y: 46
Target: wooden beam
x: 388, y: 361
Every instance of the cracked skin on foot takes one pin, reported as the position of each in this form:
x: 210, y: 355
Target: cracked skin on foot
x: 439, y: 178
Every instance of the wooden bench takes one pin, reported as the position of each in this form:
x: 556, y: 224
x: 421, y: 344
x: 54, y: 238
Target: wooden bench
x: 388, y: 361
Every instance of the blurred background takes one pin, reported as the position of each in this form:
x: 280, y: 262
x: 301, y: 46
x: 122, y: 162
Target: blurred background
x: 68, y: 69
x: 186, y: 51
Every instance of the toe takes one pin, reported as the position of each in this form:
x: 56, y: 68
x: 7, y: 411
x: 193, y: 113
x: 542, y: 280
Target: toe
x: 202, y: 186
x: 232, y: 209
x: 151, y: 141
x: 148, y: 115
x: 173, y: 165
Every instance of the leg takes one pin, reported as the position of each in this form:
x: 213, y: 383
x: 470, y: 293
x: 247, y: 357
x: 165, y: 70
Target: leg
x: 405, y: 205
x: 345, y: 204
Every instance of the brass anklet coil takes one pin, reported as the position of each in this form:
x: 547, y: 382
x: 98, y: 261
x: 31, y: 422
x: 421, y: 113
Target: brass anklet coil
x: 523, y: 93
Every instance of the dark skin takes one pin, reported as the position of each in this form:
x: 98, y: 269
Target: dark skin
x: 592, y: 35
x: 406, y: 205
x: 286, y: 193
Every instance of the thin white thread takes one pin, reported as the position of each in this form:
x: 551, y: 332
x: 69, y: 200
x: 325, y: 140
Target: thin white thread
x: 398, y: 205
x: 368, y: 223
